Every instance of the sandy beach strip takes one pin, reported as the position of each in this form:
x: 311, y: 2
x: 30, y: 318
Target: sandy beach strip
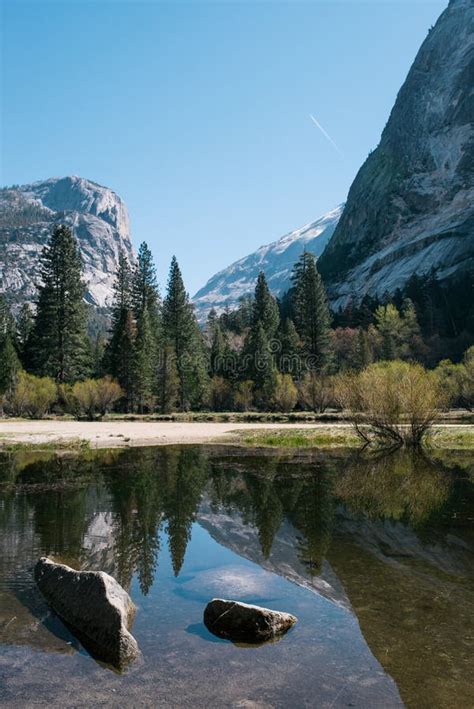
x: 110, y: 434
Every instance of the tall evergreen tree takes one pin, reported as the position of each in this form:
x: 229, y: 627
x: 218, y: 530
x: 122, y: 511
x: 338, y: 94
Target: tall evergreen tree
x: 290, y: 348
x: 146, y: 307
x: 145, y: 293
x: 123, y: 360
x: 218, y: 351
x: 168, y: 380
x: 7, y: 321
x: 119, y: 356
x: 145, y: 365
x: 182, y: 335
x: 311, y: 310
x: 24, y: 328
x: 261, y: 367
x: 9, y: 365
x: 59, y: 338
x: 265, y: 307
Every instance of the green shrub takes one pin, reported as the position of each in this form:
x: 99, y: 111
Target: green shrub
x: 91, y: 397
x: 286, y: 394
x: 32, y: 396
x: 243, y: 397
x: 394, y: 402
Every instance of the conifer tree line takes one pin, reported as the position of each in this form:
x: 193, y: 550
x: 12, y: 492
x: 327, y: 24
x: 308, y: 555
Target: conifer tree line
x: 267, y: 355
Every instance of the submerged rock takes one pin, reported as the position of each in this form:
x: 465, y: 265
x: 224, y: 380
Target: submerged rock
x: 243, y: 623
x: 94, y: 606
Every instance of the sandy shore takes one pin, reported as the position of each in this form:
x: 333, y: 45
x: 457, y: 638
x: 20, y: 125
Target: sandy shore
x: 110, y: 434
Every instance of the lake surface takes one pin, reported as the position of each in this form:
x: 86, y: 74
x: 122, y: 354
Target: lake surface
x: 373, y: 554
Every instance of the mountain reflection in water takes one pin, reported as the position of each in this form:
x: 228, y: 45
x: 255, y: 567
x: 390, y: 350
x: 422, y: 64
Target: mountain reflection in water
x: 390, y: 538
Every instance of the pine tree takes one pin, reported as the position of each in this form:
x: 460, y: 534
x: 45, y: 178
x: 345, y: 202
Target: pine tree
x: 145, y: 365
x: 119, y: 355
x: 168, y: 381
x: 390, y: 326
x: 182, y: 335
x: 265, y: 307
x: 363, y: 353
x: 261, y: 367
x: 412, y: 345
x: 311, y: 310
x: 218, y: 351
x: 122, y: 288
x: 123, y: 357
x: 290, y: 348
x: 24, y: 328
x: 9, y: 365
x: 145, y: 293
x: 7, y: 322
x: 59, y: 338
x: 146, y: 308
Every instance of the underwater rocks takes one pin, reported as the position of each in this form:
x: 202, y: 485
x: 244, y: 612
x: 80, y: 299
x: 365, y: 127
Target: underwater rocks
x: 95, y: 608
x: 243, y: 623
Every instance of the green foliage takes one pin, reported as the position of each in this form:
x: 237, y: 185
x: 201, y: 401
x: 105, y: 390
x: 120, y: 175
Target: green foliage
x: 32, y: 396
x: 285, y: 395
x: 457, y: 380
x: 122, y: 356
x: 393, y: 402
x: 182, y: 335
x: 261, y: 366
x: 289, y: 361
x: 400, y: 336
x: 316, y: 392
x: 91, y: 397
x: 312, y: 318
x: 168, y: 381
x: 145, y: 364
x: 220, y: 394
x: 9, y: 366
x: 59, y: 346
x: 265, y: 308
x: 243, y: 396
x: 24, y: 328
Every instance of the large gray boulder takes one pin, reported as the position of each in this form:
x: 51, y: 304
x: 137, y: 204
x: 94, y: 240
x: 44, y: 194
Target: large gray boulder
x: 94, y: 606
x: 243, y: 623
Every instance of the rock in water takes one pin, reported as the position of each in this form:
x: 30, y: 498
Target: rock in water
x: 95, y: 607
x: 243, y: 623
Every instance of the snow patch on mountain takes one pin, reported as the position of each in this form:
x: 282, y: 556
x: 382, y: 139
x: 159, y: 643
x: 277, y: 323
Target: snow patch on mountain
x: 277, y: 259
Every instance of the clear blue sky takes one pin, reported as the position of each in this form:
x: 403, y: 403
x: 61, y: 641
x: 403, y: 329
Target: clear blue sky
x: 197, y: 113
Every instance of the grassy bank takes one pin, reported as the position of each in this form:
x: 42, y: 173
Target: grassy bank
x: 456, y: 439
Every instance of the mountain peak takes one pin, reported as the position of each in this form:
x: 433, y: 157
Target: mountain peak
x: 97, y: 216
x: 411, y: 206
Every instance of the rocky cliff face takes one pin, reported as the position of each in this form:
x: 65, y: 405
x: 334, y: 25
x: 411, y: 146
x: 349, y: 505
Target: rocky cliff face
x: 99, y: 221
x: 276, y: 260
x: 411, y: 206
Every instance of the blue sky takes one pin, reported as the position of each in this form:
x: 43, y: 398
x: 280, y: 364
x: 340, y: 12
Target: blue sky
x: 198, y: 114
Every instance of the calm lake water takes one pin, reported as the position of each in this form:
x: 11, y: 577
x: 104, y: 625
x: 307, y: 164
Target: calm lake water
x: 375, y: 555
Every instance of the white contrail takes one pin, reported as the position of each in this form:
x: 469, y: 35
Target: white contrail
x: 326, y: 135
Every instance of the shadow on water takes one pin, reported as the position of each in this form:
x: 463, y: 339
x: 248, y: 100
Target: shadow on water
x: 389, y: 537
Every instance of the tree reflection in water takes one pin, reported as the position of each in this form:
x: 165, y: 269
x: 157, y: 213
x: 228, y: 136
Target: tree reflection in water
x: 395, y: 530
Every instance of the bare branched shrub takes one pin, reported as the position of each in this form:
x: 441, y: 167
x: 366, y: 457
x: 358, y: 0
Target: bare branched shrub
x: 243, y: 397
x: 219, y: 394
x: 109, y: 391
x: 316, y: 392
x: 393, y: 402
